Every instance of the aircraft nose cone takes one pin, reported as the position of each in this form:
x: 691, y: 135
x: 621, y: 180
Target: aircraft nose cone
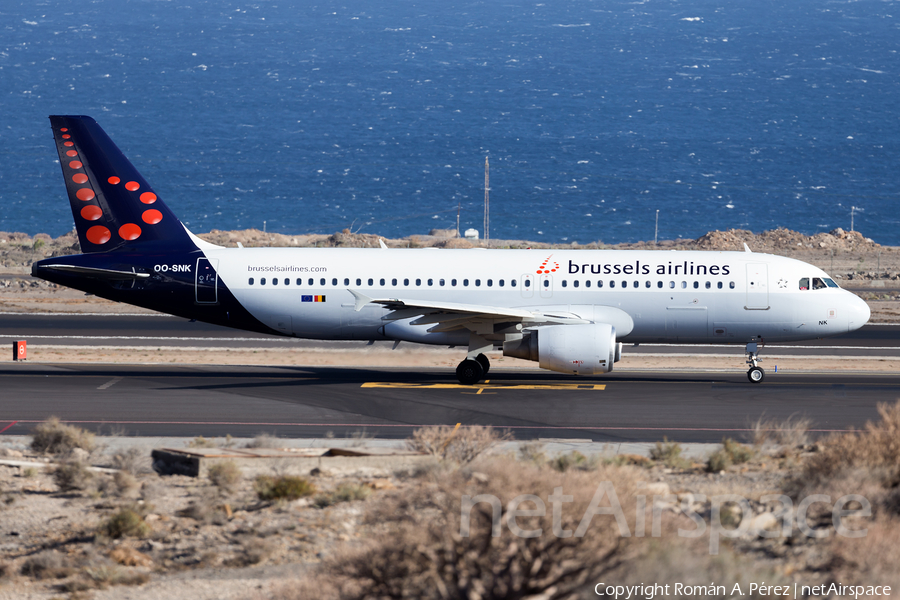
x: 858, y: 313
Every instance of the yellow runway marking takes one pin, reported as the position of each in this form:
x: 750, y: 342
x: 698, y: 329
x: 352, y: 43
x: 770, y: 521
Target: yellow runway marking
x: 485, y: 386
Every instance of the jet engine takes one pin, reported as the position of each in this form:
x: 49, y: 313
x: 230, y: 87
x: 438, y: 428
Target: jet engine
x: 587, y: 349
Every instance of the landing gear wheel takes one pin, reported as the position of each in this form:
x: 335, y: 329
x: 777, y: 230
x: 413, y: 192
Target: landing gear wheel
x: 756, y: 375
x: 469, y: 372
x: 484, y: 362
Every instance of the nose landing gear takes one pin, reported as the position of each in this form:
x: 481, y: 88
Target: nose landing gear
x: 756, y: 374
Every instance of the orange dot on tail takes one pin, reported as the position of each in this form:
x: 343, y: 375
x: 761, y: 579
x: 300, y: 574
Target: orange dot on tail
x: 68, y: 143
x: 148, y: 197
x: 79, y: 178
x: 152, y: 216
x: 132, y: 186
x: 71, y: 153
x: 85, y: 194
x: 91, y: 212
x: 64, y: 129
x: 75, y: 164
x: 98, y: 234
x: 67, y: 136
x: 114, y: 180
x: 129, y: 231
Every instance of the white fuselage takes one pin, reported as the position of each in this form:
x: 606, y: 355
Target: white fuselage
x: 681, y: 297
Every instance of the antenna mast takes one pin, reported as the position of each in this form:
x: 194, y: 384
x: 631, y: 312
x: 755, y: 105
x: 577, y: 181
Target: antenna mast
x: 487, y: 202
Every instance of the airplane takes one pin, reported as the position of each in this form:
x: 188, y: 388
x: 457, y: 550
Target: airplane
x: 568, y: 310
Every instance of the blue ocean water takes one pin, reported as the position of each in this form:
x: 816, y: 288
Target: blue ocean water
x: 316, y: 116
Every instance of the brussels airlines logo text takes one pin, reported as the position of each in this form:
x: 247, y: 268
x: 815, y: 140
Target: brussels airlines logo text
x: 639, y: 268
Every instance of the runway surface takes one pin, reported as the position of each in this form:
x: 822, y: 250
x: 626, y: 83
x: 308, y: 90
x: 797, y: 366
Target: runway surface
x: 385, y: 403
x: 55, y: 329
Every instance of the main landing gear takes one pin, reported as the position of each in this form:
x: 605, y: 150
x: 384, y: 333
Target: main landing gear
x: 473, y: 370
x: 756, y: 374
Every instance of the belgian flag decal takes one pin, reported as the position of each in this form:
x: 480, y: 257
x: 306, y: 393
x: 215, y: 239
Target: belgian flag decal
x: 312, y: 299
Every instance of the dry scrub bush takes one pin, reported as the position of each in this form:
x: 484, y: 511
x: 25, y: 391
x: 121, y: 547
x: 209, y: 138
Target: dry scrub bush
x: 346, y: 492
x: 224, y: 475
x: 125, y: 523
x: 419, y: 552
x: 131, y: 460
x: 201, y: 442
x: 668, y: 453
x: 731, y: 453
x: 863, y: 560
x: 72, y: 476
x: 461, y: 446
x: 283, y: 487
x: 866, y: 462
x: 53, y: 437
x: 791, y: 433
x: 47, y: 565
x: 264, y: 440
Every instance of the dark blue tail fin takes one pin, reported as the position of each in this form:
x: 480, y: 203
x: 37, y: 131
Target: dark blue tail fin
x: 114, y: 207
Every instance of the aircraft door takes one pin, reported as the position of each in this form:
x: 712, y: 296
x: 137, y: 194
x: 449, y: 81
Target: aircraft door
x: 527, y: 284
x: 546, y: 286
x: 757, y: 286
x: 207, y: 281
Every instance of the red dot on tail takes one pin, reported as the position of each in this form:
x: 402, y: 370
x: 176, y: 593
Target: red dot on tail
x: 64, y: 129
x: 148, y: 197
x: 132, y: 186
x: 68, y: 143
x: 129, y: 231
x: 152, y: 216
x: 114, y: 180
x: 85, y: 194
x: 71, y: 153
x: 91, y: 212
x: 67, y: 136
x: 98, y: 234
x: 75, y: 164
x: 79, y: 178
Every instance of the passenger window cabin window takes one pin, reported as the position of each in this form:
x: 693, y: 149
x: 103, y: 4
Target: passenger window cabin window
x: 465, y: 283
x: 546, y: 283
x: 575, y: 283
x: 599, y: 283
x: 312, y: 281
x: 371, y: 282
x: 565, y: 283
x: 346, y: 281
x: 636, y: 284
x: 394, y: 282
x: 250, y: 281
x: 696, y: 284
x: 804, y: 283
x: 441, y: 282
x: 358, y: 281
x: 381, y: 282
x: 287, y: 281
x: 527, y: 283
x: 322, y: 281
x: 406, y: 282
x: 430, y: 282
x: 512, y: 283
x: 731, y: 285
x: 477, y: 283
x: 334, y: 282
x: 624, y: 284
x: 490, y: 283
x: 612, y: 284
x: 453, y: 282
x: 647, y: 284
x: 274, y: 281
x: 683, y: 284
x: 587, y: 283
x: 418, y: 282
x: 299, y: 281
x: 659, y: 284
x: 262, y: 281
x: 502, y: 283
x: 719, y: 285
x: 671, y: 285
x: 708, y: 285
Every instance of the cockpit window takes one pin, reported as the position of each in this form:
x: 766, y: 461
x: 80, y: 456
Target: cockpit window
x: 831, y: 283
x: 804, y: 283
x: 818, y: 284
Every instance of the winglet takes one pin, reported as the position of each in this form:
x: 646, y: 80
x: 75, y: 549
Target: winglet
x: 361, y: 300
x: 747, y: 248
x: 383, y: 245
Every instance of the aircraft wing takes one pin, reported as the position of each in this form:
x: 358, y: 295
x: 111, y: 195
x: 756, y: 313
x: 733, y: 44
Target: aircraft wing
x: 452, y: 315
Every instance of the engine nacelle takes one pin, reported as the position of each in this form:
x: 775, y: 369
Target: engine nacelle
x: 588, y: 349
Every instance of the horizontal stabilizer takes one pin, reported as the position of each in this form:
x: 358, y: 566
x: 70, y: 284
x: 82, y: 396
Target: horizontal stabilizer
x: 97, y: 273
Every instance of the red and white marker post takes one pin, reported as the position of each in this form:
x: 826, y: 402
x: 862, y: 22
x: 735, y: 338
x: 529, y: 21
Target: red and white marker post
x: 20, y: 350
